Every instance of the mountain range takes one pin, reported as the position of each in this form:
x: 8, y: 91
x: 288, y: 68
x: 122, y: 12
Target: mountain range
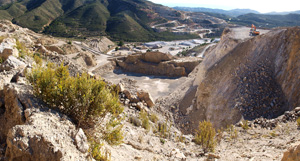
x: 233, y: 12
x: 129, y: 20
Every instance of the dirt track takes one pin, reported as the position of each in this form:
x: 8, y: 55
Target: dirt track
x: 244, y: 32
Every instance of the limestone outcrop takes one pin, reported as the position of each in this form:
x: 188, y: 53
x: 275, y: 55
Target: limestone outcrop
x: 158, y: 64
x: 7, y: 48
x: 292, y: 154
x: 34, y: 132
x: 248, y: 79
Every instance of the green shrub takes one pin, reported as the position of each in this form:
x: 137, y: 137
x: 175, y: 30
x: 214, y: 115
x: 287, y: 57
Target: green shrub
x: 298, y: 122
x: 1, y: 60
x: 219, y: 135
x: 1, y: 39
x: 245, y: 124
x: 163, y: 129
x: 153, y: 117
x: 273, y: 134
x: 233, y: 133
x: 113, y: 133
x: 205, y: 136
x: 117, y: 48
x: 81, y: 98
x: 121, y: 43
x: 135, y: 121
x: 21, y: 48
x: 145, y: 120
x: 98, y: 153
x: 162, y: 141
x: 180, y: 138
x: 38, y: 60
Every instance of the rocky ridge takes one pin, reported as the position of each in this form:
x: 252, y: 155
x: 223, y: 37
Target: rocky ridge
x: 158, y: 64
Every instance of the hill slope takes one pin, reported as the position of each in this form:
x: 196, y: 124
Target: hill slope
x: 268, y: 20
x: 233, y: 13
x: 121, y: 19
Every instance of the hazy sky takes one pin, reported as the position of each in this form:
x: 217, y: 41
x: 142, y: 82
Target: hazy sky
x: 258, y: 5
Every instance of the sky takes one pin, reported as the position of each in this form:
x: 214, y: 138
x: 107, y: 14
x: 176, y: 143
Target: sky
x: 262, y: 6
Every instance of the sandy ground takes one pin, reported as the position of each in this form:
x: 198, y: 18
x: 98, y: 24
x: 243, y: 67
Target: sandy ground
x: 100, y: 60
x: 156, y: 86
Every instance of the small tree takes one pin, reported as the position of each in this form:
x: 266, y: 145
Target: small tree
x: 205, y: 136
x: 117, y: 48
x: 121, y: 43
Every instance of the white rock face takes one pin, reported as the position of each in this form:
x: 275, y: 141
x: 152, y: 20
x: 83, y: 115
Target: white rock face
x: 38, y: 134
x: 12, y: 63
x: 7, y: 48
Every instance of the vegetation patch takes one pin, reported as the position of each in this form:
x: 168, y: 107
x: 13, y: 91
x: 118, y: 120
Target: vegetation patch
x: 81, y: 98
x: 98, y: 152
x: 205, y: 136
x: 145, y: 120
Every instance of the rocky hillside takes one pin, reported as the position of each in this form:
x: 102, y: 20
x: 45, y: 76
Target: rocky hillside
x: 126, y: 19
x: 244, y: 78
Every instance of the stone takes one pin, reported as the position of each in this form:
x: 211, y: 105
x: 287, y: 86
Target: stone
x: 127, y: 101
x: 140, y: 106
x: 292, y: 154
x: 55, y: 49
x: 33, y: 134
x: 7, y: 48
x: 211, y: 156
x: 177, y: 154
x: 156, y: 57
x: 297, y: 109
x: 143, y: 95
x: 81, y: 141
x: 88, y: 59
x: 120, y: 87
x: 12, y: 63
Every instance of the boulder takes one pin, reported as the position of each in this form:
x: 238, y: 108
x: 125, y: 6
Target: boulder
x: 12, y: 63
x: 42, y: 49
x: 177, y: 154
x: 292, y: 154
x: 13, y: 111
x: 120, y: 87
x: 33, y: 133
x: 156, y: 57
x: 89, y: 60
x: 143, y: 95
x: 45, y: 136
x: 7, y: 48
x: 81, y: 141
x: 55, y: 49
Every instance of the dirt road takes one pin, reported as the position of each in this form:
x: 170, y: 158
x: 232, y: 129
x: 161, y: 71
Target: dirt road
x: 244, y: 32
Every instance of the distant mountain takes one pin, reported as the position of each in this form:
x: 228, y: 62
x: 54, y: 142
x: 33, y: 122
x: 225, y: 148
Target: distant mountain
x: 4, y: 2
x: 269, y: 21
x: 233, y: 13
x: 283, y: 13
x: 129, y: 20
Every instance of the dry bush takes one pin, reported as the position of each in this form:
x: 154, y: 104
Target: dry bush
x: 205, y: 136
x: 298, y: 122
x: 145, y: 120
x: 81, y: 98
